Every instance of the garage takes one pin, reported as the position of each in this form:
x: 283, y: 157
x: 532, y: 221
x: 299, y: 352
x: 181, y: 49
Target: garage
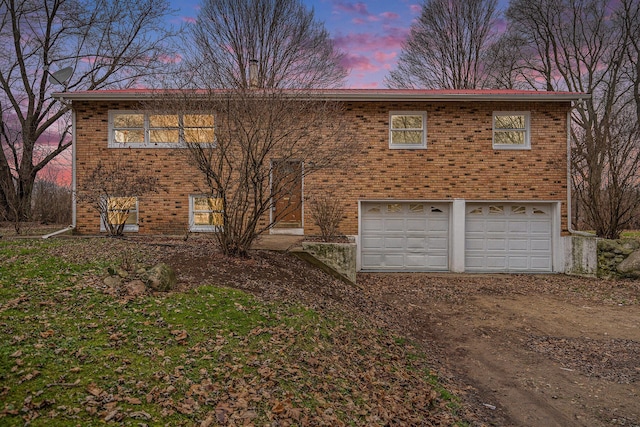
x: 404, y: 236
x: 508, y: 237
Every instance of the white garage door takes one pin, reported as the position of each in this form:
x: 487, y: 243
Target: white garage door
x: 514, y: 237
x: 404, y: 236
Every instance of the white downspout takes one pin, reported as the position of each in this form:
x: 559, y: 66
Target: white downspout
x: 73, y: 180
x: 571, y: 230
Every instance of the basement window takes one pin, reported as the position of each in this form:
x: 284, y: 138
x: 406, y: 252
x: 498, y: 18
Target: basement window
x: 205, y: 213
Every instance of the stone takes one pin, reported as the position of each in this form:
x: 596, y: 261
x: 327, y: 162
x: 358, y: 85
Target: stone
x: 112, y: 282
x: 136, y: 288
x: 123, y: 273
x: 630, y: 267
x: 161, y: 277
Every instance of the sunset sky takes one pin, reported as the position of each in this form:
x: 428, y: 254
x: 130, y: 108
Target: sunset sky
x: 369, y: 32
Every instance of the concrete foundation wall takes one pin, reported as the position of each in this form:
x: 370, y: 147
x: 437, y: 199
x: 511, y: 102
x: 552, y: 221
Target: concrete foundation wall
x: 580, y: 255
x: 341, y: 257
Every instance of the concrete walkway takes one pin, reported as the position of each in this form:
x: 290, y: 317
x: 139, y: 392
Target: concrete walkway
x: 278, y: 242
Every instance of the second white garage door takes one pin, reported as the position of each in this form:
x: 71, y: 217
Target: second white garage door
x: 407, y: 236
x: 508, y: 237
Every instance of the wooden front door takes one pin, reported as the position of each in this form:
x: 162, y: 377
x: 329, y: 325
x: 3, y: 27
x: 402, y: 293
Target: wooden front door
x: 287, y: 189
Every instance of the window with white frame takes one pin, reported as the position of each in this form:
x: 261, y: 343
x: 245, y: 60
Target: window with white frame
x: 120, y: 212
x: 408, y: 129
x: 147, y: 129
x: 205, y: 213
x: 511, y: 130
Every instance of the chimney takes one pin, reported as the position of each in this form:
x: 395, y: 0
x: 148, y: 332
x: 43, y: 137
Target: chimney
x: 253, y: 73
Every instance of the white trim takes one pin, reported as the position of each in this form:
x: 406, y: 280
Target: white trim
x: 423, y: 144
x: 74, y: 166
x: 457, y: 225
x: 527, y: 130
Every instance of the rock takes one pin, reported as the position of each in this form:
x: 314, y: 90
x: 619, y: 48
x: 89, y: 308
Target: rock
x: 630, y: 267
x: 161, y: 278
x: 112, y: 282
x: 136, y: 288
x: 123, y: 273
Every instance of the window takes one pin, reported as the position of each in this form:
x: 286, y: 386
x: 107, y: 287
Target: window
x: 511, y: 130
x: 205, y: 213
x: 143, y: 129
x: 408, y: 130
x: 121, y: 211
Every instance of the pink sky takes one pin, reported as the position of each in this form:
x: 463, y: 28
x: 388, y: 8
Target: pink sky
x: 369, y: 32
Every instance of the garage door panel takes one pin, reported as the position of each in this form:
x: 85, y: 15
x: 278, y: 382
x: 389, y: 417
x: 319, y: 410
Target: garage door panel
x: 371, y: 224
x: 371, y: 259
x: 441, y: 243
x: 493, y: 226
x: 439, y: 224
x: 520, y: 244
x: 496, y: 262
x: 394, y: 243
x: 474, y: 244
x: 416, y: 260
x: 435, y: 262
x: 416, y: 243
x: 393, y: 260
x: 394, y: 225
x: 540, y: 245
x: 416, y: 225
x: 371, y: 242
x: 542, y: 263
x: 496, y: 244
x: 411, y: 236
x: 541, y: 227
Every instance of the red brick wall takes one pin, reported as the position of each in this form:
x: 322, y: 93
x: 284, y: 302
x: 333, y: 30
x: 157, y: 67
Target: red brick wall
x: 459, y: 162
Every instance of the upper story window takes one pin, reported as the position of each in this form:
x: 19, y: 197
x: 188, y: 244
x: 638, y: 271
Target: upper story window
x: 145, y: 129
x: 511, y: 130
x: 408, y: 129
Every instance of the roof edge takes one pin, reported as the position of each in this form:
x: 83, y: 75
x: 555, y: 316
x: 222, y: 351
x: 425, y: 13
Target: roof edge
x: 348, y: 95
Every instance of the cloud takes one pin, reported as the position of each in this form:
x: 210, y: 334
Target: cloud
x: 393, y: 40
x: 189, y: 19
x: 359, y: 63
x: 385, y: 57
x: 358, y: 8
x: 391, y: 16
x: 415, y: 8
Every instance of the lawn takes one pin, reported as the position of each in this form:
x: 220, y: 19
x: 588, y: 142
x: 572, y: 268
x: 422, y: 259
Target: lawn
x: 72, y: 354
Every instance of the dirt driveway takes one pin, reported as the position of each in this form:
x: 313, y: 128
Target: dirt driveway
x: 536, y: 350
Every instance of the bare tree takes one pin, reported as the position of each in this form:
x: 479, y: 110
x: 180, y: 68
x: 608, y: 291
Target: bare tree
x: 259, y: 66
x: 586, y: 46
x: 327, y: 213
x: 446, y: 46
x: 107, y: 43
x: 291, y: 48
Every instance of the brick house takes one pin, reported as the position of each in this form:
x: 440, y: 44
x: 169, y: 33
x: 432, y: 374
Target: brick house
x: 444, y: 180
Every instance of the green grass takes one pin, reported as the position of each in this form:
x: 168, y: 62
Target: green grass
x: 72, y: 355
x: 630, y: 234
